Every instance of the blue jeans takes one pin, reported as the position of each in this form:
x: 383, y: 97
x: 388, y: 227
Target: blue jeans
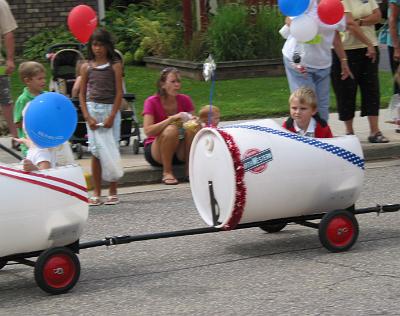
x: 316, y: 79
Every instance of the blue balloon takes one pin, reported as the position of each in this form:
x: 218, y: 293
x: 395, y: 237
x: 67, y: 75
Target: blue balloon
x: 293, y: 7
x: 50, y: 119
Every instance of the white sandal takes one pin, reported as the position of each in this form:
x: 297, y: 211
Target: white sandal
x: 111, y: 200
x: 94, y: 201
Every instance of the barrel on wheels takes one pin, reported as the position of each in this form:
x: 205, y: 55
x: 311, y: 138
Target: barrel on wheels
x: 258, y: 171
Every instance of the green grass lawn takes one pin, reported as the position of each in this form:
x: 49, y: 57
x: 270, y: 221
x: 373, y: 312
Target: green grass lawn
x: 237, y: 99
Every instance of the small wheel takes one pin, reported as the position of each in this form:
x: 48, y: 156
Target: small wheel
x: 135, y: 146
x: 57, y: 270
x: 338, y: 230
x: 273, y: 228
x: 78, y: 151
x: 2, y: 264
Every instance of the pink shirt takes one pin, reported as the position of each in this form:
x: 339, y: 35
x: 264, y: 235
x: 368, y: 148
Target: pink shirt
x: 152, y: 106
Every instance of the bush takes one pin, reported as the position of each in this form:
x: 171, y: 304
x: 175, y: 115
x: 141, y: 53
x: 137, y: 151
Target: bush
x: 146, y: 29
x: 198, y: 48
x: 267, y: 40
x: 234, y: 35
x: 229, y: 34
x: 154, y: 28
x: 36, y: 47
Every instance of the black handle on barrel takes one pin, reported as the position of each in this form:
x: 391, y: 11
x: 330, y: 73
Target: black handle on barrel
x: 213, y: 201
x: 12, y: 153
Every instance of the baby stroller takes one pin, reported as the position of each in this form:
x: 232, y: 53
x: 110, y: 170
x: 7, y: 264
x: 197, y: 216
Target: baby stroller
x: 63, y: 66
x: 63, y: 62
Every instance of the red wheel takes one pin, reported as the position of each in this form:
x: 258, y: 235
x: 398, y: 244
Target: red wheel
x: 57, y: 270
x: 338, y: 230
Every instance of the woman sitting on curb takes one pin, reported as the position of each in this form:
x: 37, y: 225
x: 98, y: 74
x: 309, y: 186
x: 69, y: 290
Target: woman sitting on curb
x: 164, y: 113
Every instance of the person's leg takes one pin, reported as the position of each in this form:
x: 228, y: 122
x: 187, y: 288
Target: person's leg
x: 96, y: 176
x: 349, y: 127
x: 345, y: 90
x: 112, y: 190
x: 164, y: 148
x: 183, y: 150
x: 95, y: 162
x: 373, y: 124
x: 6, y: 104
x: 8, y: 115
x: 112, y: 198
x: 321, y: 79
x: 370, y: 93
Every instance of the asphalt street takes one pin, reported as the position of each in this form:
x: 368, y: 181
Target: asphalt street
x: 244, y: 272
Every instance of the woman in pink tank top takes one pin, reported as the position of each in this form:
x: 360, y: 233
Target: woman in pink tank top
x: 167, y: 142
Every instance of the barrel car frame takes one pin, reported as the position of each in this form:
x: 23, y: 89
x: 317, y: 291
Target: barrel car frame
x: 231, y: 171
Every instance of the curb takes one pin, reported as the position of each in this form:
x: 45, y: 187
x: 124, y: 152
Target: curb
x: 381, y: 151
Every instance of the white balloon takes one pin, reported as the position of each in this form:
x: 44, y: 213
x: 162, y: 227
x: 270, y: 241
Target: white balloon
x: 303, y: 28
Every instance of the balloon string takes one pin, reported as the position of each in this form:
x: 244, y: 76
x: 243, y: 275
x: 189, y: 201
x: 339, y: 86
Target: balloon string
x: 211, y: 95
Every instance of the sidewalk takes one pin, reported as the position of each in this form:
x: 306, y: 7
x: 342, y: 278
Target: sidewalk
x: 138, y: 171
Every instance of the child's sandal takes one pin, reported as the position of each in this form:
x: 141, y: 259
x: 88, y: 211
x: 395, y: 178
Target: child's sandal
x: 111, y: 200
x: 94, y: 201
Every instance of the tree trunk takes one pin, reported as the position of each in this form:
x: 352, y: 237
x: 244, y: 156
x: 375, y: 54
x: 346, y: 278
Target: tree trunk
x: 187, y: 20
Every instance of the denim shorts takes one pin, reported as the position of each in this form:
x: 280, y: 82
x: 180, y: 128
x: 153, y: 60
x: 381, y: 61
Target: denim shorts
x: 5, y: 93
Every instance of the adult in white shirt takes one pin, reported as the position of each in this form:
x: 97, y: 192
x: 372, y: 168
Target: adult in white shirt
x: 316, y: 59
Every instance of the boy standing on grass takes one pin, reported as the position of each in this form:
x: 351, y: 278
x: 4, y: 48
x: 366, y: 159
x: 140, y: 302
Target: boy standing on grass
x: 304, y: 119
x: 33, y: 75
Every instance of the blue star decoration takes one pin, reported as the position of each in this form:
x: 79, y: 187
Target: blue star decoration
x: 332, y: 149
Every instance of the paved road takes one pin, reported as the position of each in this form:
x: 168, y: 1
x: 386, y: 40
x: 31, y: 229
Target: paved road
x: 246, y: 272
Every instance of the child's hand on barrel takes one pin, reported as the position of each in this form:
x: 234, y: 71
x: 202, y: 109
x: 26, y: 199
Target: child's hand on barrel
x: 28, y: 165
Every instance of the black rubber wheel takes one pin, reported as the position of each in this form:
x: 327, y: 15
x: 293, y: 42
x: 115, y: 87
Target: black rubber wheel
x: 135, y: 146
x: 2, y: 264
x: 57, y: 270
x: 78, y: 151
x: 338, y: 230
x: 273, y: 228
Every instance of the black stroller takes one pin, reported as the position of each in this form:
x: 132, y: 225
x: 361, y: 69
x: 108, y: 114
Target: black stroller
x: 63, y: 62
x: 64, y: 59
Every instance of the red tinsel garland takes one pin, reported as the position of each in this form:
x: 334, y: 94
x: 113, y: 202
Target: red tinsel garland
x: 240, y: 196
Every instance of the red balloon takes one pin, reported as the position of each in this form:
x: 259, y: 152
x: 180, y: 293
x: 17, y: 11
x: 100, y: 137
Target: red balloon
x: 330, y: 11
x: 82, y: 21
